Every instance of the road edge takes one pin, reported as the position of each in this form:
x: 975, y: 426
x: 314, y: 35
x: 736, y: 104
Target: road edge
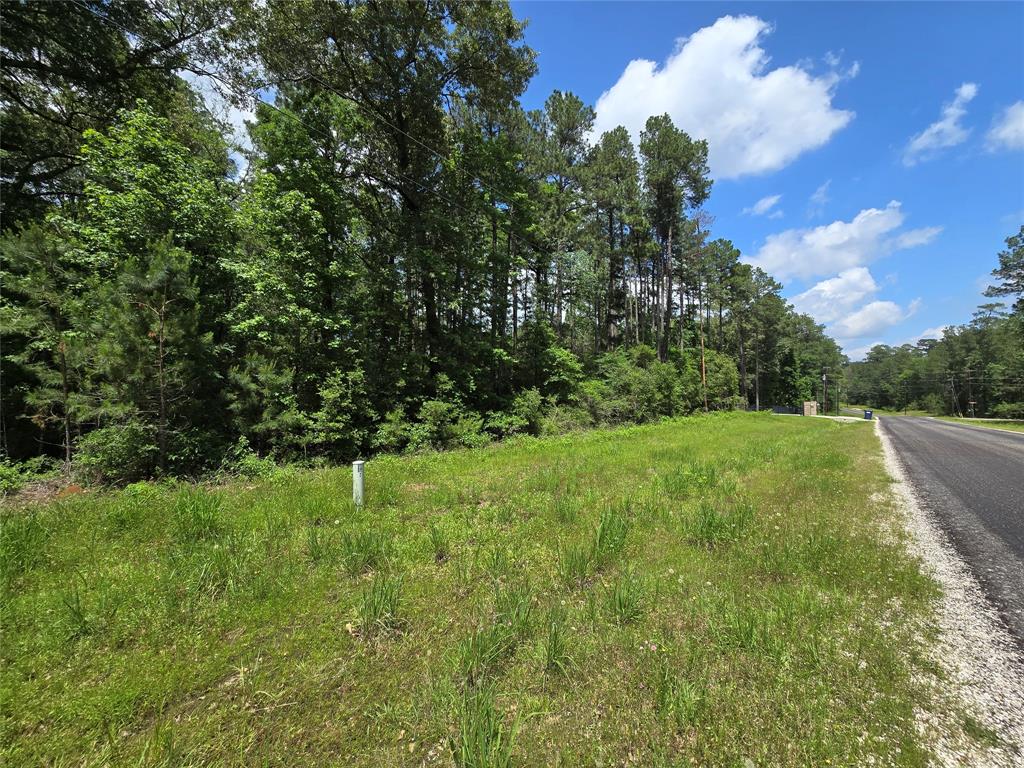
x: 973, y: 647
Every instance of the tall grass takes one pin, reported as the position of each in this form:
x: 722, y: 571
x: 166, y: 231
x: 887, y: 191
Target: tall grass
x: 483, y: 739
x: 379, y: 608
x: 364, y: 550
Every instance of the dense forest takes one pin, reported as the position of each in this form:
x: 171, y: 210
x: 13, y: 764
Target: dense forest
x: 975, y: 370
x: 398, y: 257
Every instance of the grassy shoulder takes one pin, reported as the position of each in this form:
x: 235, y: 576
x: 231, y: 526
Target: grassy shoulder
x: 705, y: 590
x: 1012, y: 425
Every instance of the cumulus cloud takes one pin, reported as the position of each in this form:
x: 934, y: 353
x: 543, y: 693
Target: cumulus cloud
x: 859, y: 352
x: 1007, y: 131
x: 830, y: 299
x: 717, y: 85
x: 764, y: 205
x: 944, y: 132
x: 928, y: 333
x: 873, y: 318
x: 842, y: 303
x: 832, y: 248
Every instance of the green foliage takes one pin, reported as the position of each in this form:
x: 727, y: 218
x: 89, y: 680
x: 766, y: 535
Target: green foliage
x: 119, y: 454
x: 330, y: 304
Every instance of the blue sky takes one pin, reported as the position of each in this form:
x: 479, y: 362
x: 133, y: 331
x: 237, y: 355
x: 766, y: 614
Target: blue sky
x: 870, y: 156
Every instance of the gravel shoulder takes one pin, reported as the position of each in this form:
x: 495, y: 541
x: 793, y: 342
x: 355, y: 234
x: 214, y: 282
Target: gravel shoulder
x: 981, y: 663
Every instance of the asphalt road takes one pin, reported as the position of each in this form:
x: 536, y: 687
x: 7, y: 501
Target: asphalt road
x: 972, y: 480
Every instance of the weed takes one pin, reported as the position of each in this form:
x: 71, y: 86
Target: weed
x: 575, y: 562
x: 566, y: 508
x: 132, y: 506
x: 610, y: 536
x: 709, y: 526
x: 439, y: 543
x: 197, y: 515
x: 483, y: 739
x: 556, y: 657
x: 696, y: 478
x: 680, y: 700
x: 379, y: 608
x: 319, y: 543
x: 485, y: 647
x: 498, y: 563
x: 625, y: 598
x: 513, y: 606
x: 77, y: 619
x: 364, y: 550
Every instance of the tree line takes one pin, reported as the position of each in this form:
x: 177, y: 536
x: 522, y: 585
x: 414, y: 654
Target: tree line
x: 402, y: 256
x: 974, y: 370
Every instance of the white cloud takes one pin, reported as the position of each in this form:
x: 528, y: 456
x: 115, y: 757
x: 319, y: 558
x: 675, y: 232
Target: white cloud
x: 928, y: 333
x: 816, y: 202
x: 1007, y: 131
x: 831, y: 299
x: 717, y: 86
x: 872, y: 318
x: 859, y: 353
x: 831, y: 248
x: 944, y: 132
x: 764, y: 205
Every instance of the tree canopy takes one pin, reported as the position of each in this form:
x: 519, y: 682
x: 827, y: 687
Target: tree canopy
x: 409, y: 259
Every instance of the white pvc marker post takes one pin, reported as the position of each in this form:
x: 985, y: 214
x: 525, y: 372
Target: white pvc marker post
x: 357, y: 482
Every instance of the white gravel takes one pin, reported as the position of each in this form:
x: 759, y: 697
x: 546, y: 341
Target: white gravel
x: 984, y: 671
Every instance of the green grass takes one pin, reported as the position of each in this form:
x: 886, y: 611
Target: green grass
x: 703, y: 591
x: 1010, y: 425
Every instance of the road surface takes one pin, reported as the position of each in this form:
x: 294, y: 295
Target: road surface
x: 972, y: 480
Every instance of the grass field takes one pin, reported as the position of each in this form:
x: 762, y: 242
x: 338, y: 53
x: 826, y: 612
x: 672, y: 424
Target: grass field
x: 1007, y: 424
x: 706, y: 591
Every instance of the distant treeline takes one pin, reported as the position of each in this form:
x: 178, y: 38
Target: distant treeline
x: 973, y: 370
x: 408, y: 258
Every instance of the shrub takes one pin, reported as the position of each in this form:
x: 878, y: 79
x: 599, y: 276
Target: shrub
x: 1009, y: 411
x: 394, y: 433
x: 243, y: 461
x: 117, y: 455
x: 528, y: 407
x: 14, y: 476
x: 561, y: 419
